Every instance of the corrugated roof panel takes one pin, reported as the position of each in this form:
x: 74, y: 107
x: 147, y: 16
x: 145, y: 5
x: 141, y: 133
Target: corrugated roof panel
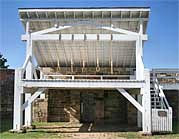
x: 85, y: 21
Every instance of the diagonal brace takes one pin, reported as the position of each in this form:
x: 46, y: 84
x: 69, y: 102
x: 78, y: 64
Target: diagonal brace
x: 131, y: 99
x: 33, y: 97
x: 50, y: 30
x: 119, y: 30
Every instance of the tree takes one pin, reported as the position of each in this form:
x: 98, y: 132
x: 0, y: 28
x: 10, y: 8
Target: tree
x: 3, y: 62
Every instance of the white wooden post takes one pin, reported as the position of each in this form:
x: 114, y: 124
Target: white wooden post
x: 29, y: 73
x: 139, y: 54
x: 18, y: 100
x: 29, y: 52
x: 146, y: 103
x: 28, y: 111
x: 139, y: 114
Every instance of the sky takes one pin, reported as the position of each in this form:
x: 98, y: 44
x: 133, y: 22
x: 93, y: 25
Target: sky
x: 160, y: 51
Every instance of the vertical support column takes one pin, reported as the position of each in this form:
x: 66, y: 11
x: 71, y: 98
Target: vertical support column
x: 28, y: 111
x: 139, y: 54
x: 139, y: 114
x: 29, y: 73
x: 146, y: 103
x: 29, y: 52
x: 18, y: 100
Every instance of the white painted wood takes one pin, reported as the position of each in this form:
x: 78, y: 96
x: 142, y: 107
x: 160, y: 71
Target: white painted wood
x: 26, y: 62
x: 18, y: 98
x: 50, y: 30
x: 119, y: 30
x: 139, y: 114
x: 66, y: 37
x: 146, y: 103
x: 28, y: 118
x: 105, y: 37
x: 91, y: 37
x: 139, y: 61
x: 29, y: 54
x: 29, y: 71
x: 60, y: 83
x: 86, y: 10
x: 42, y: 96
x: 162, y: 123
x: 86, y: 76
x: 140, y: 36
x: 79, y: 36
x: 102, y: 37
x: 131, y: 99
x: 32, y: 98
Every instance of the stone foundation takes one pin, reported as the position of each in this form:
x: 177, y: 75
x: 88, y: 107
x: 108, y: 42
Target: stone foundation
x: 39, y: 110
x: 107, y: 106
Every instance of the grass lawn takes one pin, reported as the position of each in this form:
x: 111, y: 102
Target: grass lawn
x: 44, y: 134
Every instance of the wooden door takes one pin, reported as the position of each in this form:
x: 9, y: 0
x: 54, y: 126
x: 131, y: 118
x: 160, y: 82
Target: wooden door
x: 87, y: 107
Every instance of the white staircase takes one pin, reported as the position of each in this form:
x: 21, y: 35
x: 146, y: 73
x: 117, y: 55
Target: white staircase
x: 161, y: 111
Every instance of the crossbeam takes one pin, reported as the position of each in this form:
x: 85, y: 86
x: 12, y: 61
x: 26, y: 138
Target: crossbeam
x: 84, y: 37
x: 93, y: 84
x: 81, y: 19
x: 131, y: 99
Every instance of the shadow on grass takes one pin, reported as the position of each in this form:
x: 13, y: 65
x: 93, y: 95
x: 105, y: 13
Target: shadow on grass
x: 176, y: 127
x: 86, y: 128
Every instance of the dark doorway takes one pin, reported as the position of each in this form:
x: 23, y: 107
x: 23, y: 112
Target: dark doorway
x: 87, y: 107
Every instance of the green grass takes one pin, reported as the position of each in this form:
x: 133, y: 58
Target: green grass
x: 29, y: 135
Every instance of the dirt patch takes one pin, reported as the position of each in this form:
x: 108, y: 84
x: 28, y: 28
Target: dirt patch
x: 91, y: 136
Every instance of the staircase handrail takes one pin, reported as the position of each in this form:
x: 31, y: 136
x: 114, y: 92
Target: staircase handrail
x: 159, y: 89
x: 161, y: 93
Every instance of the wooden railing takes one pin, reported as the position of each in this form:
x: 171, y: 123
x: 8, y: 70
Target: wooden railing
x: 162, y: 120
x: 89, y: 77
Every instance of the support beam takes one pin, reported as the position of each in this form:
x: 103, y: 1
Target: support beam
x: 119, y: 30
x: 131, y: 99
x: 139, y: 54
x: 32, y: 98
x: 50, y: 30
x: 146, y: 103
x: 28, y: 114
x: 29, y: 70
x: 84, y: 37
x: 26, y: 62
x: 18, y: 100
x: 62, y: 83
x: 139, y: 114
x: 81, y: 19
x: 29, y: 54
x: 139, y: 61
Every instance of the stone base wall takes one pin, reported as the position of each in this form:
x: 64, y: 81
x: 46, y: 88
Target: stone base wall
x: 65, y: 106
x: 39, y: 110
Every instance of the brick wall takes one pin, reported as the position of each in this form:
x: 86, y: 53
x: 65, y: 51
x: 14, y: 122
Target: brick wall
x: 6, y: 97
x: 6, y: 92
